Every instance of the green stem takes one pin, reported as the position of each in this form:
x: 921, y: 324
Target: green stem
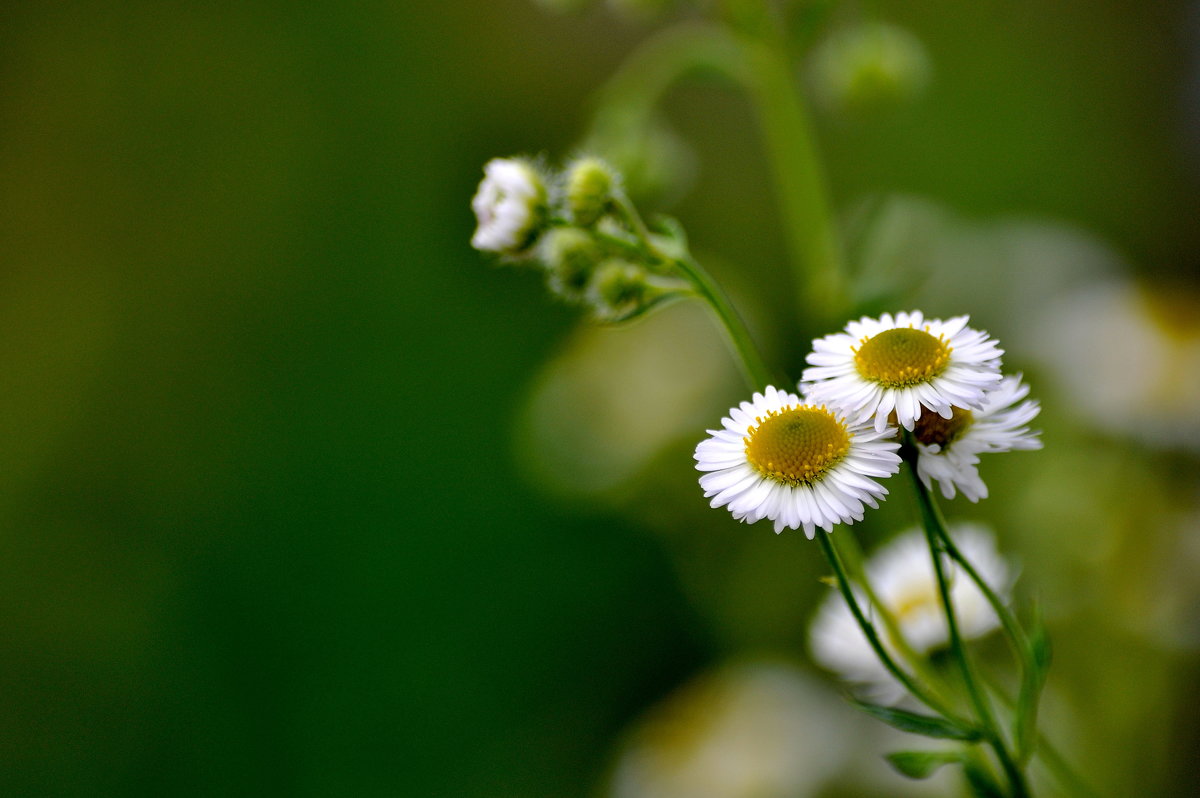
x: 851, y: 553
x: 935, y: 533
x: 754, y: 368
x: 813, y: 245
x: 1018, y: 640
x: 685, y: 49
x: 868, y: 630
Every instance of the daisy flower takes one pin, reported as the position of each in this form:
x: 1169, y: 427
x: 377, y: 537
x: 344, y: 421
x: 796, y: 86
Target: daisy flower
x: 509, y: 206
x: 796, y: 464
x: 948, y: 449
x: 901, y: 364
x: 904, y: 581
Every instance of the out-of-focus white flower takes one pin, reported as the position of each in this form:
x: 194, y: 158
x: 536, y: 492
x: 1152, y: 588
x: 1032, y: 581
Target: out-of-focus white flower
x: 902, y: 576
x: 798, y: 465
x: 948, y: 449
x: 901, y: 364
x: 510, y: 206
x: 746, y: 731
x: 1129, y: 358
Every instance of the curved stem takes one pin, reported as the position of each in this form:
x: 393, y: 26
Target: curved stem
x: 754, y: 368
x: 813, y: 244
x: 687, y: 48
x: 868, y: 630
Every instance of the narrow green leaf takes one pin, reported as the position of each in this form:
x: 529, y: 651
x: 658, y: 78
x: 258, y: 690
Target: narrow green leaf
x: 1037, y: 664
x: 980, y: 781
x: 927, y: 725
x: 1039, y: 644
x: 922, y: 764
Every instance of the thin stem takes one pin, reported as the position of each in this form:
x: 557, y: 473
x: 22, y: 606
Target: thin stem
x: 813, y: 245
x: 848, y: 549
x: 754, y: 368
x: 1018, y: 640
x: 868, y: 630
x: 934, y: 534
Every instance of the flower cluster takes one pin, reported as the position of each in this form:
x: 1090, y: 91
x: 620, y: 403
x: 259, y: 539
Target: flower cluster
x: 579, y: 228
x: 811, y: 460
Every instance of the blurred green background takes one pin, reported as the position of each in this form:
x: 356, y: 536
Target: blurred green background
x: 267, y: 526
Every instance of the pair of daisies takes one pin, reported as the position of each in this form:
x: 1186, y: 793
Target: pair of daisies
x: 813, y: 461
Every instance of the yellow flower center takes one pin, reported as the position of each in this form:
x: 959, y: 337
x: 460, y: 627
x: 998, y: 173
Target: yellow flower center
x: 932, y: 429
x: 901, y: 357
x: 796, y: 445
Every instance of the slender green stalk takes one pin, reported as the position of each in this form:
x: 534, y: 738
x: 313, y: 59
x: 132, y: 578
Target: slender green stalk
x: 848, y: 549
x: 1018, y: 639
x: 754, y: 368
x: 868, y: 630
x: 934, y: 534
x: 791, y: 146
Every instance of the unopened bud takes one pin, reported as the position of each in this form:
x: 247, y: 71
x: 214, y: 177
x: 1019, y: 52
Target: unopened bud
x: 570, y: 256
x: 590, y: 183
x: 870, y: 67
x: 617, y: 290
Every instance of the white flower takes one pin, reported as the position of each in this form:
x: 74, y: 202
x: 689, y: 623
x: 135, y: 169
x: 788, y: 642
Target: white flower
x: 902, y: 576
x: 753, y: 730
x: 509, y: 206
x: 798, y: 465
x: 1127, y: 355
x: 902, y: 364
x: 948, y: 449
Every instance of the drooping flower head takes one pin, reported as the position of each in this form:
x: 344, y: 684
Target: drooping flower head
x: 901, y: 364
x: 509, y: 206
x: 796, y: 464
x: 902, y: 576
x: 948, y: 449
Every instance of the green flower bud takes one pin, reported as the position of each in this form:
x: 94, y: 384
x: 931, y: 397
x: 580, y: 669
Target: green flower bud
x: 870, y: 67
x: 590, y: 183
x: 617, y: 290
x: 570, y: 256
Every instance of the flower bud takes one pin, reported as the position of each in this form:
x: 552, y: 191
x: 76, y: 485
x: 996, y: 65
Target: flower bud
x: 510, y: 207
x: 617, y: 290
x: 570, y: 256
x: 590, y: 183
x: 870, y: 67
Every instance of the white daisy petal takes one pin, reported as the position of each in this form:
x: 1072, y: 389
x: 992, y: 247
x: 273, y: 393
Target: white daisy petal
x: 899, y: 364
x: 801, y: 466
x: 948, y: 449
